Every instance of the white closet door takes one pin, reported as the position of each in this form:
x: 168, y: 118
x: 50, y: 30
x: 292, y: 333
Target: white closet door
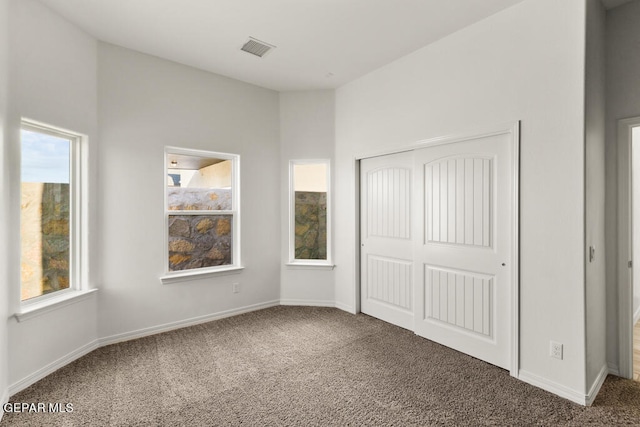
x: 386, y: 238
x: 463, y: 246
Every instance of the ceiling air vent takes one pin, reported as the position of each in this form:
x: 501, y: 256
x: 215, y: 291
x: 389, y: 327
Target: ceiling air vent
x: 257, y: 47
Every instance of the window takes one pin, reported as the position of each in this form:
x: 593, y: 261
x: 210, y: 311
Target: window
x: 310, y: 223
x: 50, y: 215
x: 202, y: 211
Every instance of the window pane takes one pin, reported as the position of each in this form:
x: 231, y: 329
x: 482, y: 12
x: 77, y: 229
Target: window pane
x: 44, y: 214
x: 197, y: 241
x: 310, y: 198
x: 198, y: 183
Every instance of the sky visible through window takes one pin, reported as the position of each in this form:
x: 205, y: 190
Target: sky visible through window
x: 45, y: 158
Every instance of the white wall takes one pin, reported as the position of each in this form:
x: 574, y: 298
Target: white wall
x: 4, y: 226
x: 523, y: 63
x: 145, y: 104
x: 53, y: 80
x: 622, y: 101
x: 595, y: 192
x: 306, y: 132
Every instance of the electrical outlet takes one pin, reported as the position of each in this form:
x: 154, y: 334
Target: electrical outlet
x: 236, y: 288
x: 555, y: 350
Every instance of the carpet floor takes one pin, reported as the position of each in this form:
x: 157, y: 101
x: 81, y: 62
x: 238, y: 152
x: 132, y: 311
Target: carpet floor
x: 290, y: 366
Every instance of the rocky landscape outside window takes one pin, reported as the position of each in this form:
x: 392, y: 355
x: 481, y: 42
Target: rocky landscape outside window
x: 310, y: 213
x: 202, y: 210
x: 48, y: 220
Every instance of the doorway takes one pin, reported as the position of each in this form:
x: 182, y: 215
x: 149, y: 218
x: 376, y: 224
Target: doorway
x: 439, y: 242
x: 629, y: 247
x: 635, y: 251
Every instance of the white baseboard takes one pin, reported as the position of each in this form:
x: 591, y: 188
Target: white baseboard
x: 307, y: 303
x: 52, y: 367
x: 4, y: 399
x: 597, y: 384
x: 553, y: 387
x: 636, y: 315
x: 140, y: 333
x: 613, y: 369
x: 345, y: 307
x: 101, y: 342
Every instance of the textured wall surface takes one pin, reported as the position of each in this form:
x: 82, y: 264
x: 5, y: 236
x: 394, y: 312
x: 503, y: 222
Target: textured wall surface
x: 44, y: 227
x: 311, y: 225
x: 188, y: 199
x: 197, y: 241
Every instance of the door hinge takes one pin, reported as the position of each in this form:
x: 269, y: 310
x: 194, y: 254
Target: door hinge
x: 630, y: 264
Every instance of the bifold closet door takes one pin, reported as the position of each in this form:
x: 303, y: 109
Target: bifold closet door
x: 463, y: 246
x: 386, y: 203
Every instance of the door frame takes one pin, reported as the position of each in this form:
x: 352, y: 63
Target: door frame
x: 512, y: 129
x: 625, y: 246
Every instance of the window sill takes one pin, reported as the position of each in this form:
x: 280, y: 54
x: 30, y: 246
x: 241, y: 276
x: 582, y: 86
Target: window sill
x: 309, y: 266
x: 194, y: 275
x: 35, y: 309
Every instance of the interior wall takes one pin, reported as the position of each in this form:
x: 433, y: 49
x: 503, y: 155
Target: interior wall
x: 145, y: 104
x: 307, y: 131
x: 4, y: 229
x: 526, y: 64
x: 52, y: 66
x: 622, y: 101
x: 595, y: 192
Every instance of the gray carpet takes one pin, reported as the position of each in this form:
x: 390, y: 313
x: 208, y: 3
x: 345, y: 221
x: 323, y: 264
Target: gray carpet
x: 303, y: 366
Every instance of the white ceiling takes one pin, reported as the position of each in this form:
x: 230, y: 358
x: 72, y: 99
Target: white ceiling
x: 320, y: 43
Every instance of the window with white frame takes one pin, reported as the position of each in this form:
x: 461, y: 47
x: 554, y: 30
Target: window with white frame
x: 310, y: 213
x: 50, y: 211
x: 202, y: 211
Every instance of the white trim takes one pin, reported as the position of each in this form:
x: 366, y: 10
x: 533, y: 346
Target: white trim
x: 79, y: 204
x: 345, y: 307
x: 636, y: 315
x: 52, y: 367
x: 234, y: 212
x: 197, y: 274
x: 566, y: 392
x: 625, y: 246
x: 357, y: 252
x: 292, y: 213
x: 482, y: 131
x: 140, y: 333
x: 307, y: 303
x: 512, y: 129
x: 309, y: 266
x: 55, y: 302
x: 4, y: 399
x: 597, y: 384
x: 553, y: 387
x: 515, y: 252
x: 152, y: 330
x: 613, y: 369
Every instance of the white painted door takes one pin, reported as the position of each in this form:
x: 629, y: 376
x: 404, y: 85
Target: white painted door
x: 386, y: 238
x: 463, y: 249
